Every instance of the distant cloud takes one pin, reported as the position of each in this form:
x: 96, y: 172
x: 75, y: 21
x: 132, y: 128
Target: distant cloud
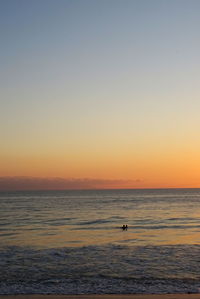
x: 34, y: 183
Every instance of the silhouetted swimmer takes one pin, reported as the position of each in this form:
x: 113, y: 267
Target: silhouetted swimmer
x: 124, y: 227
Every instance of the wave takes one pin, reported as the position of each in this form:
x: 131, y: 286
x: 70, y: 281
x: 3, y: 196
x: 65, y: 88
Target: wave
x: 100, y: 269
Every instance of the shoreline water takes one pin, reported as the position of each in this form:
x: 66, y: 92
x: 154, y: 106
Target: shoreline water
x: 104, y: 296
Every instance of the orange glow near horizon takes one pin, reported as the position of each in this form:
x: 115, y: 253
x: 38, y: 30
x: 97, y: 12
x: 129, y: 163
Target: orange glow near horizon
x: 172, y: 169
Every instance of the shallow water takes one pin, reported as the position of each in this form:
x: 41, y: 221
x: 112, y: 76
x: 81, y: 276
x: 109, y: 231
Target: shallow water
x: 71, y: 242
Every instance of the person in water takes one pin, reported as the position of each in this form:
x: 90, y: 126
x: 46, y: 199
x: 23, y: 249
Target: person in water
x: 125, y: 227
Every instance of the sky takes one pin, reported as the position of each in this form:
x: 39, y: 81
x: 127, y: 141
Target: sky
x: 99, y: 94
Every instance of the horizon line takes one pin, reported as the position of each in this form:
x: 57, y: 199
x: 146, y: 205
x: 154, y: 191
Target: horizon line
x: 100, y: 189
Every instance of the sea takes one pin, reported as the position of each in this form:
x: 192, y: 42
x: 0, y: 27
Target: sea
x: 72, y: 242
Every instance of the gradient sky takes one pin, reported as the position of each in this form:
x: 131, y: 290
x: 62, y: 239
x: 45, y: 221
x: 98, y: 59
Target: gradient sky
x: 106, y: 90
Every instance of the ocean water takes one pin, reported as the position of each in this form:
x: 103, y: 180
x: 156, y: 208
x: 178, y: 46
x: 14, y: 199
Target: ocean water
x: 71, y: 242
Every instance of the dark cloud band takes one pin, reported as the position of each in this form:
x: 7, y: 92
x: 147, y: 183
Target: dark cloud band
x: 33, y: 183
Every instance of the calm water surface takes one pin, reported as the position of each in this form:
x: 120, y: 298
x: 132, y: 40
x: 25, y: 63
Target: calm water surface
x: 70, y: 241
